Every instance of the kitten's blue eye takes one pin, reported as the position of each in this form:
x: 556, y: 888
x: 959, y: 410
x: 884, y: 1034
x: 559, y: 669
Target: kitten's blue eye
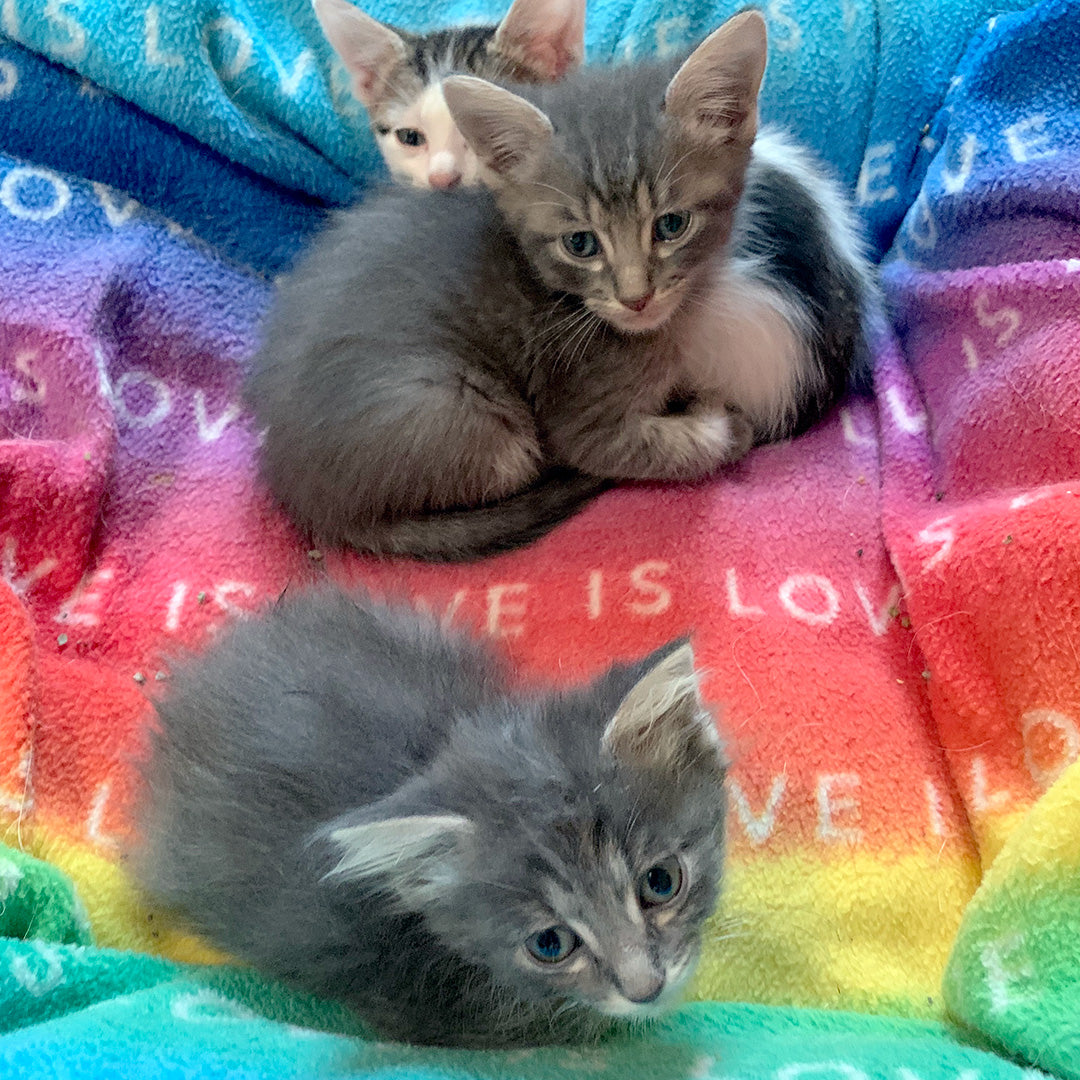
x: 410, y: 137
x: 553, y: 945
x: 660, y: 884
x: 671, y: 226
x: 582, y: 245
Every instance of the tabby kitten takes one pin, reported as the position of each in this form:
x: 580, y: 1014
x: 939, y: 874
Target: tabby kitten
x: 397, y: 76
x: 349, y: 799
x: 645, y: 292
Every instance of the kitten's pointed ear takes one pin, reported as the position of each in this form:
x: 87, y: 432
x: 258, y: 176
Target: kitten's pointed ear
x: 369, y: 50
x: 409, y: 852
x: 505, y: 132
x: 714, y: 94
x: 546, y: 37
x: 662, y: 722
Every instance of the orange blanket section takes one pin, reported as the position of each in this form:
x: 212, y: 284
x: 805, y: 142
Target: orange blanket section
x: 850, y: 855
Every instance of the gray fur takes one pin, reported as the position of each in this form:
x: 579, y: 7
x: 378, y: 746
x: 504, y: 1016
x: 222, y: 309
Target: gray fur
x: 436, y: 352
x: 300, y: 729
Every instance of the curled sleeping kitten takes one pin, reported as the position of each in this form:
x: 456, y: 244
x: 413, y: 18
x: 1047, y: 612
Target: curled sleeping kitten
x: 649, y: 288
x: 397, y: 76
x: 349, y: 799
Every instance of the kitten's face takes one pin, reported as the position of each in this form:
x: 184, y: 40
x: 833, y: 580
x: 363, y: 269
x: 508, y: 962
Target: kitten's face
x: 397, y: 76
x: 577, y: 857
x: 419, y: 140
x: 621, y: 185
x: 598, y: 904
x: 633, y: 248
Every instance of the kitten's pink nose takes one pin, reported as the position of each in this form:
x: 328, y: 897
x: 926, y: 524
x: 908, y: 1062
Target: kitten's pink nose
x: 444, y: 181
x: 638, y: 303
x: 642, y: 987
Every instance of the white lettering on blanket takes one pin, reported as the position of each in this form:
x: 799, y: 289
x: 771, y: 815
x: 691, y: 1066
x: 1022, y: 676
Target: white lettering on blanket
x: 982, y: 799
x: 9, y: 18
x: 155, y: 57
x: 671, y: 35
x: 21, y: 584
x: 242, y: 46
x: 1027, y: 139
x: 500, y: 604
x: 1008, y: 318
x: 971, y: 354
x: 97, y: 816
x: 851, y: 435
x: 642, y: 579
x: 954, y: 182
x: 790, y: 38
x: 10, y: 876
x: 1041, y: 727
x: 758, y: 827
x: 37, y: 983
x: 117, y: 213
x: 934, y: 808
x: 1006, y: 967
x: 12, y: 193
x: 212, y: 430
x: 910, y: 421
x: 921, y: 224
x: 800, y: 585
x: 80, y: 608
x: 835, y: 796
x: 880, y: 619
x: 9, y: 79
x: 938, y: 532
x: 737, y: 608
x: 877, y: 166
x: 290, y: 80
x: 72, y: 45
x: 32, y: 388
x: 160, y: 392
x: 827, y: 1070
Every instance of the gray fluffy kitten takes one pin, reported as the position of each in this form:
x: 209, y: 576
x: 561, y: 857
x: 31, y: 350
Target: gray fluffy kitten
x: 649, y: 288
x: 353, y: 801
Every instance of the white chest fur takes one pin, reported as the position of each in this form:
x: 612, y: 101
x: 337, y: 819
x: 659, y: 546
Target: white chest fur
x: 742, y: 343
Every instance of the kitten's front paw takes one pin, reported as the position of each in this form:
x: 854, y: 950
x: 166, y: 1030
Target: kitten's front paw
x: 692, y: 446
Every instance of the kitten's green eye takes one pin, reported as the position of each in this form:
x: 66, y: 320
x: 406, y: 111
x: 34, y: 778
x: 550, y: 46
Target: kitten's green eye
x: 410, y: 137
x: 582, y: 245
x: 660, y: 884
x: 553, y: 945
x: 671, y: 226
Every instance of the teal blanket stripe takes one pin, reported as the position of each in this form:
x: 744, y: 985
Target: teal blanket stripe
x: 253, y: 79
x: 89, y: 1014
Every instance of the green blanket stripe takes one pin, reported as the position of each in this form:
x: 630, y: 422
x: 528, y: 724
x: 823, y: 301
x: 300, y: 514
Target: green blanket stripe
x: 69, y: 1009
x: 38, y: 901
x: 173, y: 1020
x: 1014, y: 973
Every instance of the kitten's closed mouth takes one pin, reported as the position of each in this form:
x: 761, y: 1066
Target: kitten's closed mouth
x: 649, y: 318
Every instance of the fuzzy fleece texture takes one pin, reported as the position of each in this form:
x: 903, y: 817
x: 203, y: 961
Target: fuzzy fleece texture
x: 255, y: 80
x: 886, y: 608
x: 68, y: 1010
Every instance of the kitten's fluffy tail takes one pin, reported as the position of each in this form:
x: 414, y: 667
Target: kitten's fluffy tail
x: 463, y: 535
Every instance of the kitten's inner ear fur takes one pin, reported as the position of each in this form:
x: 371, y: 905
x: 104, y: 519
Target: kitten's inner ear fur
x: 714, y: 94
x: 369, y: 50
x: 506, y: 133
x: 662, y: 722
x: 411, y: 852
x: 546, y: 37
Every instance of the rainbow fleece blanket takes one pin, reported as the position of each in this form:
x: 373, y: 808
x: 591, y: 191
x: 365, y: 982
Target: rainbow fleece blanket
x: 887, y: 609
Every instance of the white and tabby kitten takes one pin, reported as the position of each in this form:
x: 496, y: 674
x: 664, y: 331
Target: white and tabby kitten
x: 648, y: 289
x: 397, y: 76
x: 350, y: 799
